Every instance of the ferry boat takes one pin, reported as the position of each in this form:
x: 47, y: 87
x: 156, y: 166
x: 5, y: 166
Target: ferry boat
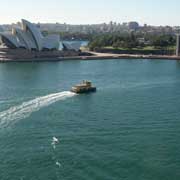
x: 84, y: 87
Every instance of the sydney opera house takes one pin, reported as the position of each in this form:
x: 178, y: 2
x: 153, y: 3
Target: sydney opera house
x: 29, y: 37
x: 27, y: 41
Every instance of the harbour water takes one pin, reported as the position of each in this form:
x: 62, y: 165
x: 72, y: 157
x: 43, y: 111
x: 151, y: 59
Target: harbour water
x: 127, y: 130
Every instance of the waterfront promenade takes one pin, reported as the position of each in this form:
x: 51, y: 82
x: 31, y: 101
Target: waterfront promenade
x: 93, y: 56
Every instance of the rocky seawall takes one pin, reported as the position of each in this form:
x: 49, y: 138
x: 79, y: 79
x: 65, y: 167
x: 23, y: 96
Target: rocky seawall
x: 22, y: 55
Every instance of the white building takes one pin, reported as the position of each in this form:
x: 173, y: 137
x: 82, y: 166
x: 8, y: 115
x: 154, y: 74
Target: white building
x: 28, y: 36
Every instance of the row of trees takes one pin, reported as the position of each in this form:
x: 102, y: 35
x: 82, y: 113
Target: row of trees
x: 130, y: 41
x: 118, y: 40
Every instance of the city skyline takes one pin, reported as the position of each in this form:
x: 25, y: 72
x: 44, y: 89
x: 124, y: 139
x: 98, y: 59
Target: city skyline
x: 94, y: 12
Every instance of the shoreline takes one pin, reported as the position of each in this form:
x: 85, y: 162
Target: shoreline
x: 95, y: 56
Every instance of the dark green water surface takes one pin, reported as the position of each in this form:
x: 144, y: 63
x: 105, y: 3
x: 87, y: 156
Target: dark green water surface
x: 128, y: 130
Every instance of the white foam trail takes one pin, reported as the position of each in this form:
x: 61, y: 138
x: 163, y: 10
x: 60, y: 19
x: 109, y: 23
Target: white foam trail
x: 24, y: 110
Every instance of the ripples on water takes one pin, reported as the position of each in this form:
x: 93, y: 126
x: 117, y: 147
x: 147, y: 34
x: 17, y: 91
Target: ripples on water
x: 128, y: 130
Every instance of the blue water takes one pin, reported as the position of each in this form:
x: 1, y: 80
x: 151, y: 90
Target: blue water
x: 129, y: 129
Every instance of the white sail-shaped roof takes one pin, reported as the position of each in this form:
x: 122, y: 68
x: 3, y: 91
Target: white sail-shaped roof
x: 29, y: 37
x: 25, y: 38
x: 34, y: 32
x: 10, y: 40
x: 51, y: 42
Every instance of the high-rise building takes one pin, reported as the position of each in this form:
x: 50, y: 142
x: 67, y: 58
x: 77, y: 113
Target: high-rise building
x: 133, y: 25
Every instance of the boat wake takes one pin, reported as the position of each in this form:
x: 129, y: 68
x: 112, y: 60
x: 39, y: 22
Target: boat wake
x: 13, y: 114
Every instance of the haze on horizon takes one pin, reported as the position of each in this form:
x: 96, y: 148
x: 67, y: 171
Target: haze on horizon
x: 159, y: 12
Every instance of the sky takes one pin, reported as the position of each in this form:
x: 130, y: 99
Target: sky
x: 152, y: 12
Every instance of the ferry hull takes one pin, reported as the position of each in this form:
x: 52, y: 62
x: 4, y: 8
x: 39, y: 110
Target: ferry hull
x: 84, y: 91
